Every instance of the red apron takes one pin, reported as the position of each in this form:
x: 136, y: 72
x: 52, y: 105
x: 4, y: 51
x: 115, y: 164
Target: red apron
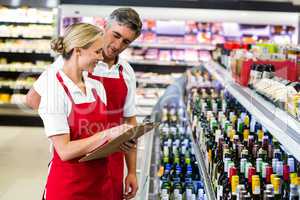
x: 71, y: 180
x: 116, y: 92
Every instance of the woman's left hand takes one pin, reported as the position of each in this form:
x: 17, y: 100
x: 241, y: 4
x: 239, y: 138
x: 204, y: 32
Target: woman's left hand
x: 131, y: 186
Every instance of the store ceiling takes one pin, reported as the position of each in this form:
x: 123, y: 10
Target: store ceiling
x: 262, y: 5
x: 31, y: 3
x: 257, y: 5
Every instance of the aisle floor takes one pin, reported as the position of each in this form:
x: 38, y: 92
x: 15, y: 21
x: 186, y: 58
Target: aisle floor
x: 25, y: 155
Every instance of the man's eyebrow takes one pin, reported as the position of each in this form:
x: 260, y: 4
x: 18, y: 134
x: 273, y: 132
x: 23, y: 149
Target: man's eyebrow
x: 117, y: 33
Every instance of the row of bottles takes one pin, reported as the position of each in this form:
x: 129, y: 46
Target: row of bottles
x: 242, y: 158
x: 179, y: 173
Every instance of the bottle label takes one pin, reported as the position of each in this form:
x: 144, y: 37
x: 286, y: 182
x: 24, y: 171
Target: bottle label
x: 234, y: 183
x: 219, y: 192
x: 255, y: 185
x: 276, y: 184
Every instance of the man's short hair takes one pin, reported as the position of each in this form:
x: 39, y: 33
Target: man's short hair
x: 127, y: 17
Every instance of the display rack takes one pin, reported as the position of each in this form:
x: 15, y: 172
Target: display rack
x: 160, y: 66
x: 283, y: 127
x: 23, y: 53
x: 203, y: 46
x: 206, y: 179
x: 174, y: 93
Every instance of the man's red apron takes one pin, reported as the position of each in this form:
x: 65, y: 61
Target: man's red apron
x: 71, y: 180
x: 116, y: 92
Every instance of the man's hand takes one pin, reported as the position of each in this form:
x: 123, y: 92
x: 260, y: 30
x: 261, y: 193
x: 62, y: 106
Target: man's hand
x: 128, y: 146
x: 131, y: 186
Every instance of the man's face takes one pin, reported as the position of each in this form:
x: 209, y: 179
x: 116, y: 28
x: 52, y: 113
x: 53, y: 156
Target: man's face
x: 117, y: 38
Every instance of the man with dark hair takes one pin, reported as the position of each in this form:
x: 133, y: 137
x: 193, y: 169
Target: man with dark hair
x: 123, y: 26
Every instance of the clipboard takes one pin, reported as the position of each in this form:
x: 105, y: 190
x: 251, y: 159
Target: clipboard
x: 113, y: 145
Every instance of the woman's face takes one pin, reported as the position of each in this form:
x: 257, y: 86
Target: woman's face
x: 88, y: 58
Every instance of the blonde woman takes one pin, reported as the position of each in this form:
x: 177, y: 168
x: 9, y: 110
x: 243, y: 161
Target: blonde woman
x: 74, y: 116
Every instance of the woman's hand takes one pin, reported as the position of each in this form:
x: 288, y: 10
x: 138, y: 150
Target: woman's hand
x: 128, y: 146
x: 131, y: 186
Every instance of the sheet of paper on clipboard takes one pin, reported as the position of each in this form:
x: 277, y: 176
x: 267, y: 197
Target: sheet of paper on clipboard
x: 113, y: 145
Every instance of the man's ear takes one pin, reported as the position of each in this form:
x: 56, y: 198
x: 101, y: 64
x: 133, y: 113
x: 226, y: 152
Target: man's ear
x: 77, y: 51
x: 105, y: 23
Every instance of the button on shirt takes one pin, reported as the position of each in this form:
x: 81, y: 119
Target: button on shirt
x: 55, y: 105
x: 103, y: 70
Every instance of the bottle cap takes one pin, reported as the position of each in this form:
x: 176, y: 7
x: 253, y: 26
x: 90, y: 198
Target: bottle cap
x: 286, y: 172
x: 251, y: 172
x: 232, y: 172
x: 279, y: 168
x: 248, y: 165
x: 269, y: 172
x: 264, y: 170
x: 243, y: 165
x: 226, y: 162
x: 291, y: 163
x: 274, y: 163
x: 258, y: 164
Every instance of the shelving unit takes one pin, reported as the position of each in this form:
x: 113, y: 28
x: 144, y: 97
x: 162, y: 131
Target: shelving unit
x: 23, y: 54
x: 174, y: 46
x: 25, y: 22
x: 284, y: 128
x: 174, y: 93
x: 162, y: 67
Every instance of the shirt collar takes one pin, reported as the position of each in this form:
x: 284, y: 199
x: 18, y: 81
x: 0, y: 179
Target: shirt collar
x: 72, y: 87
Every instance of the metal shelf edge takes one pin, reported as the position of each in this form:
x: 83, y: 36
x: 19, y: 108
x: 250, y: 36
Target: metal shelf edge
x: 201, y: 165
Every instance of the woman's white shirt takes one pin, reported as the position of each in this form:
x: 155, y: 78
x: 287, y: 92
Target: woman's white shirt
x: 103, y: 70
x: 55, y: 105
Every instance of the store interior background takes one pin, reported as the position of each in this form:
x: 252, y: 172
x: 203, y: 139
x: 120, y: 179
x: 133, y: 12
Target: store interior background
x: 176, y: 36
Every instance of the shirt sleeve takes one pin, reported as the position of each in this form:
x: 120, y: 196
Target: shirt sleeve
x: 130, y: 107
x: 53, y: 108
x: 40, y: 85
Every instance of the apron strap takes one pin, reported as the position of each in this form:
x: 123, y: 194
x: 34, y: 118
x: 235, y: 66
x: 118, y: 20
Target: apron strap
x: 58, y: 76
x: 121, y: 71
x: 95, y: 94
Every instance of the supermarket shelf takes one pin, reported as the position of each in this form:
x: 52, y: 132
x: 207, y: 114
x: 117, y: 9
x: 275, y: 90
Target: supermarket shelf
x: 24, y: 52
x: 25, y: 23
x: 20, y: 70
x: 26, y: 57
x: 18, y: 75
x: 284, y: 128
x: 17, y: 109
x: 26, y: 38
x: 9, y: 90
x: 18, y: 115
x: 152, y: 84
x: 202, y: 46
x: 164, y: 63
x: 161, y: 67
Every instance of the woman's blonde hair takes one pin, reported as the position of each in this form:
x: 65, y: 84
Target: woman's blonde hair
x: 80, y: 35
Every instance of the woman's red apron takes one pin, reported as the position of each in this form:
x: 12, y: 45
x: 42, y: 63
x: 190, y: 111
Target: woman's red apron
x: 71, y: 180
x: 116, y: 92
